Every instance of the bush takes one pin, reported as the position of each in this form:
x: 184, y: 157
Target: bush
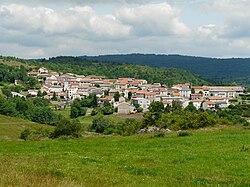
x: 184, y: 133
x: 100, y: 124
x: 139, y: 109
x: 94, y: 112
x: 43, y: 115
x: 25, y: 134
x: 107, y: 110
x: 130, y: 127
x: 35, y: 134
x: 159, y: 134
x: 67, y: 127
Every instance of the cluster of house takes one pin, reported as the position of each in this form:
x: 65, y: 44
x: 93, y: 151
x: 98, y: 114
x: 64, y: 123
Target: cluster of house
x: 71, y: 86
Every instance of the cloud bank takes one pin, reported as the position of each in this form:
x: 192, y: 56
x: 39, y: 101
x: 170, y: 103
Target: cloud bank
x: 32, y: 29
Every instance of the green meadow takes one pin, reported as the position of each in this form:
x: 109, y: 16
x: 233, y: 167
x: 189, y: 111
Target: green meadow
x: 218, y: 156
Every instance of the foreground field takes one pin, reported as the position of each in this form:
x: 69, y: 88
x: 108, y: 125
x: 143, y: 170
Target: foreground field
x: 212, y: 157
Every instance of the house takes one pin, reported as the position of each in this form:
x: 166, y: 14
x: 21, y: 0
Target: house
x: 204, y: 90
x: 185, y: 92
x: 211, y: 104
x: 226, y: 91
x: 222, y: 91
x: 33, y: 93
x: 196, y: 103
x: 208, y: 105
x: 124, y: 108
x: 171, y: 98
x: 121, y: 85
x: 144, y: 103
x: 43, y: 70
x: 33, y: 74
x: 15, y: 94
x: 17, y: 82
x: 222, y: 102
x: 72, y: 90
x: 195, y: 96
x: 110, y: 99
x: 55, y: 88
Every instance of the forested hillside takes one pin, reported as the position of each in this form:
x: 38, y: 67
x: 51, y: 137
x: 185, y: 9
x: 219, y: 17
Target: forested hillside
x: 81, y: 66
x: 215, y: 70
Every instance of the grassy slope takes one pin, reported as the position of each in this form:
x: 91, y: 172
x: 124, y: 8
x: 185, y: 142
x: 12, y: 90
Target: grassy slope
x: 211, y: 157
x: 10, y: 128
x: 15, y: 62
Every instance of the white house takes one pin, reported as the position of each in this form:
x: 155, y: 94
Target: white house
x: 144, y: 103
x: 33, y: 92
x: 15, y: 94
x: 225, y: 91
x: 124, y: 108
x: 43, y: 70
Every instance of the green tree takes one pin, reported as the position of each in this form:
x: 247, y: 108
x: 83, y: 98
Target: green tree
x: 156, y: 107
x: 78, y: 108
x: 129, y: 95
x: 39, y: 93
x: 100, y: 124
x: 191, y: 107
x: 192, y: 90
x: 116, y: 96
x: 106, y: 103
x: 107, y: 110
x: 54, y: 98
x: 43, y: 115
x: 66, y: 127
x: 106, y: 92
x: 176, y: 105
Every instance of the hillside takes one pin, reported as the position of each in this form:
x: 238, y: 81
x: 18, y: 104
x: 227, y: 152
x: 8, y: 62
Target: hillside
x: 11, y: 128
x: 79, y: 65
x: 212, y: 69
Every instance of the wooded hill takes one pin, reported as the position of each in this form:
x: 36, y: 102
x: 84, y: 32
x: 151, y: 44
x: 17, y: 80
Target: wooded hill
x: 81, y: 66
x: 219, y: 71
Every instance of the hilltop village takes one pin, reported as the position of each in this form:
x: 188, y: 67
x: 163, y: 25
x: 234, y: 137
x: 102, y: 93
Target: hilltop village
x: 131, y: 92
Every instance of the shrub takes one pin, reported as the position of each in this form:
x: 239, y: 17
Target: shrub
x: 25, y: 134
x: 139, y: 109
x: 43, y: 115
x: 184, y: 133
x: 100, y: 124
x: 94, y: 112
x: 35, y: 134
x: 130, y: 126
x: 159, y: 134
x: 67, y: 127
x: 107, y: 110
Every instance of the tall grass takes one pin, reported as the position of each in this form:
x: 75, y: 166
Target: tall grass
x: 210, y: 157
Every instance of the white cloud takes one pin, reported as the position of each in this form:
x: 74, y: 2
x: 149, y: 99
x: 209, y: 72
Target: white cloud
x: 78, y: 20
x: 20, y: 51
x: 236, y: 15
x: 153, y: 19
x: 47, y: 28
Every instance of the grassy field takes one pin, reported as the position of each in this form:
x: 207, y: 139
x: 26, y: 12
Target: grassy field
x: 15, y: 63
x: 209, y: 157
x: 86, y: 121
x: 11, y: 128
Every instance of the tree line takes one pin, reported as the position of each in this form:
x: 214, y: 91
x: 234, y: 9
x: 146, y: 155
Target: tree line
x: 170, y: 117
x: 82, y: 66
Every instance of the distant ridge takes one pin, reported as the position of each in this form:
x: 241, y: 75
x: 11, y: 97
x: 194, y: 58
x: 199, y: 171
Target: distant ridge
x: 216, y: 70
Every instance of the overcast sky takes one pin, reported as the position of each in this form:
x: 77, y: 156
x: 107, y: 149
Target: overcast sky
x: 45, y: 28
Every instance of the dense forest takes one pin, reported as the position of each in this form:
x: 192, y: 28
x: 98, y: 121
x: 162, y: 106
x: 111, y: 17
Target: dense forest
x: 81, y: 66
x: 219, y: 71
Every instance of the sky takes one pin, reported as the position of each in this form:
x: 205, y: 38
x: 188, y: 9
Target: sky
x: 46, y: 28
